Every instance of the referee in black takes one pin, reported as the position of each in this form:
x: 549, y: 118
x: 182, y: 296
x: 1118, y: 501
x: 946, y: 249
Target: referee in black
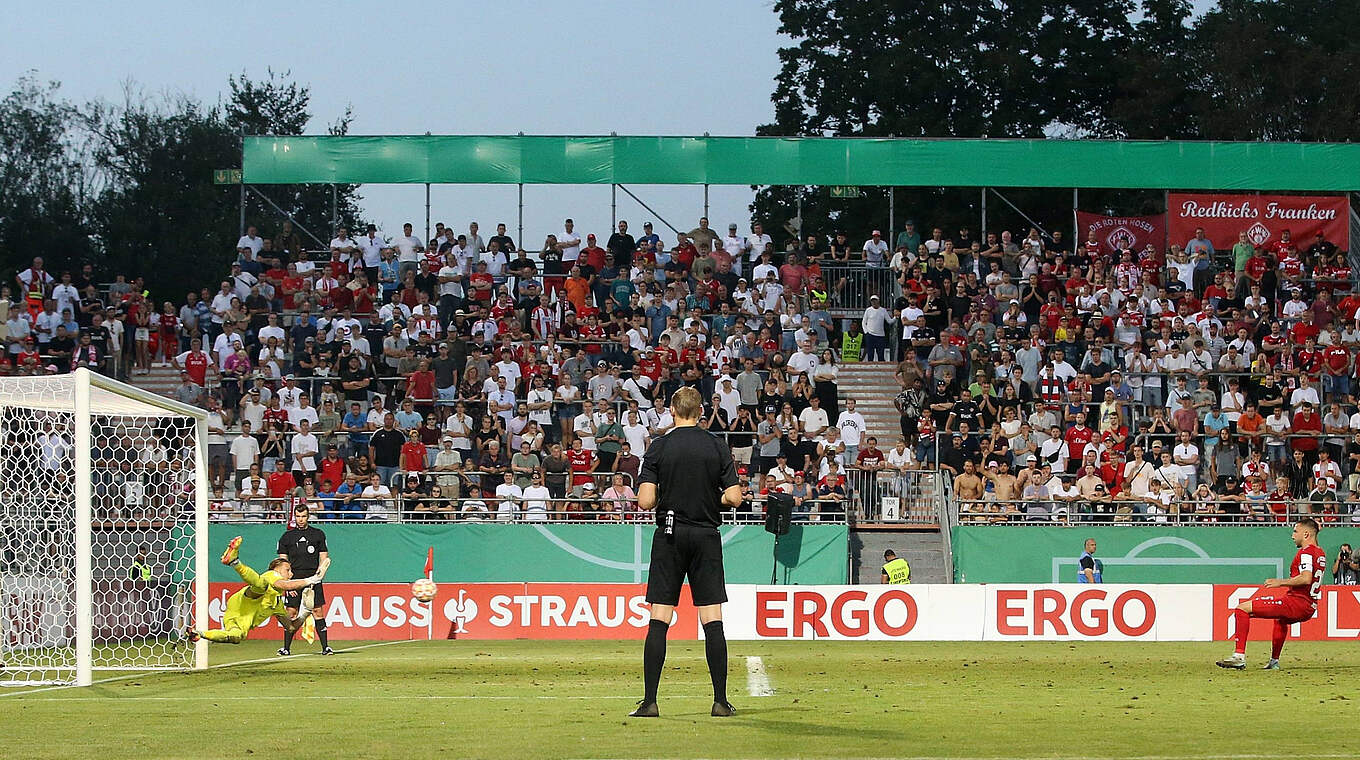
x: 687, y: 476
x: 305, y: 549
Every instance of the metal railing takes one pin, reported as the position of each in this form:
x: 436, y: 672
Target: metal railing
x: 415, y: 508
x: 851, y: 286
x: 1135, y: 510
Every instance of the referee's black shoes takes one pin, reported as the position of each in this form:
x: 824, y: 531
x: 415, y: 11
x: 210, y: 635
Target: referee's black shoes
x: 647, y: 709
x: 723, y: 710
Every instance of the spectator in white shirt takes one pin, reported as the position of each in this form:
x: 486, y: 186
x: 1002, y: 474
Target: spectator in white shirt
x: 875, y: 250
x: 245, y: 451
x: 536, y: 497
x: 804, y: 361
x: 756, y: 243
x: 853, y: 427
x: 509, y: 497
x: 378, y: 498
x: 875, y: 324
x: 251, y: 240
x: 814, y: 418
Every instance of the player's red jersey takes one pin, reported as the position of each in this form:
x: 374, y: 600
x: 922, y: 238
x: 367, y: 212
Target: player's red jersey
x: 1309, y: 558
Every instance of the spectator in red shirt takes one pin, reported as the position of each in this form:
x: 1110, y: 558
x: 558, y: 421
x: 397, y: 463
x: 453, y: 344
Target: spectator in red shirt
x: 1336, y: 363
x: 582, y: 463
x: 593, y: 256
x: 1303, y: 330
x: 413, y: 453
x: 332, y: 466
x: 1307, y: 429
x: 280, y: 484
x: 420, y: 387
x: 1077, y: 437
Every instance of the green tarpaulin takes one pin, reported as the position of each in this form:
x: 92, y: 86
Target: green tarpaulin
x: 1132, y: 554
x: 543, y: 553
x: 473, y: 159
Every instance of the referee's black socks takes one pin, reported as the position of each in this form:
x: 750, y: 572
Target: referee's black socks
x: 715, y: 648
x: 321, y: 632
x: 653, y: 658
x: 288, y: 637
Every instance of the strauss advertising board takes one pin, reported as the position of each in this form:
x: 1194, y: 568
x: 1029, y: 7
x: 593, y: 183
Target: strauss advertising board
x: 386, y: 611
x: 1262, y: 217
x: 962, y: 612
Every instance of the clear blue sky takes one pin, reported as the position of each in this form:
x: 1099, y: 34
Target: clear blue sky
x: 640, y: 67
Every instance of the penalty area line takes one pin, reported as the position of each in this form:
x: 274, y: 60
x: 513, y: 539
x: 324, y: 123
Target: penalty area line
x: 150, y: 673
x: 757, y: 681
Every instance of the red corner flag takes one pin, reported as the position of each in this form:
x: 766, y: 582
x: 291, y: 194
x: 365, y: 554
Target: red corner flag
x: 429, y: 562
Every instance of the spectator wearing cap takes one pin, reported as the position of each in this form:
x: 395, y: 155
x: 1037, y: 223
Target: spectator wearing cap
x: 780, y: 476
x: 583, y: 500
x: 875, y: 251
x: 875, y: 321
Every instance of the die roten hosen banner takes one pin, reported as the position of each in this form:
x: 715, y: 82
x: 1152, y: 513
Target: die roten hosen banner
x: 1117, y: 233
x: 1262, y: 217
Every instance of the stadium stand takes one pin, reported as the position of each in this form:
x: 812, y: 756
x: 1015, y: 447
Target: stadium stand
x: 463, y: 378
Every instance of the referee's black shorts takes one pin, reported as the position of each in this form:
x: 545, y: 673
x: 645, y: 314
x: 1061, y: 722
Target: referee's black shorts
x: 293, y: 599
x: 693, y: 553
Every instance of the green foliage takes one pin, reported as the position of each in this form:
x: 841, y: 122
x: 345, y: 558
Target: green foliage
x: 160, y: 216
x: 128, y: 186
x: 44, y: 186
x: 278, y: 106
x: 1245, y: 70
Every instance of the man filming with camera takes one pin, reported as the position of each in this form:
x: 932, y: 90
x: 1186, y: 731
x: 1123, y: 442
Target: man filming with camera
x: 1346, y: 567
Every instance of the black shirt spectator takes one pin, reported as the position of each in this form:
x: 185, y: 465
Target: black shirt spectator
x: 386, y: 444
x: 621, y: 246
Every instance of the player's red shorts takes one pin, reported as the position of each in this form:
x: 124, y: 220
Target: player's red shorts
x: 1291, y: 608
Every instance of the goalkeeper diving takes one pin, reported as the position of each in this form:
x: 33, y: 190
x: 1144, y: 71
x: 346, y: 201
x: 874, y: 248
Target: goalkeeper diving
x: 261, y: 599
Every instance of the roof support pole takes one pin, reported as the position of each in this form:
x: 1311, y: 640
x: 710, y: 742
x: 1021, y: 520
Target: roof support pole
x: 982, y: 232
x: 1075, y: 227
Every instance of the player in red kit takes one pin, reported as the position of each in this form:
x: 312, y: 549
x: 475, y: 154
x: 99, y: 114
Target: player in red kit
x: 1297, y: 602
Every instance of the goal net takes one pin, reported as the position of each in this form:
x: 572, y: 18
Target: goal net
x: 103, y: 530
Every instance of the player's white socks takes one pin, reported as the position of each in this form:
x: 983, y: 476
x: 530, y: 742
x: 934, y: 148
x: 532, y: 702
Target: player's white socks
x: 1238, y: 657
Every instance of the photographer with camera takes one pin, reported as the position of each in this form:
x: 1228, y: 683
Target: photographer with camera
x: 1346, y: 567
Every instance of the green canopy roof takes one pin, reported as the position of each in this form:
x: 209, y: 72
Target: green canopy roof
x: 509, y: 159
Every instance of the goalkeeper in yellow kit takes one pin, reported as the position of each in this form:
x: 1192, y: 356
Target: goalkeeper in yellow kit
x: 261, y: 599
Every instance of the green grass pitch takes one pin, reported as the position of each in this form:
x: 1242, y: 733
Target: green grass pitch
x: 520, y: 699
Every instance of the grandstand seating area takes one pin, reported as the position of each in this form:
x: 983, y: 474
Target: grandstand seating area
x: 465, y: 378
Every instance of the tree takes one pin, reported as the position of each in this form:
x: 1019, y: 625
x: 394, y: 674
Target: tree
x: 44, y: 186
x: 1156, y: 97
x: 1279, y: 70
x: 278, y: 106
x: 938, y: 69
x: 160, y: 216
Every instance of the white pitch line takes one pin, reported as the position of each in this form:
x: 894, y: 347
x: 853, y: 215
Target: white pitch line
x: 757, y: 682
x: 151, y: 673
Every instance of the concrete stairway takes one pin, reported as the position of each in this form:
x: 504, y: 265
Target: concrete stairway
x: 872, y: 386
x: 923, y: 550
x: 162, y: 380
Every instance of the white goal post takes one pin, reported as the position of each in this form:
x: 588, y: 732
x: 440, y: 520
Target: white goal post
x: 103, y: 530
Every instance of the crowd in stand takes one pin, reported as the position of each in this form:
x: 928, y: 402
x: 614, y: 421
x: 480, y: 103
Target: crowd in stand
x: 1074, y: 383
x: 463, y: 377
